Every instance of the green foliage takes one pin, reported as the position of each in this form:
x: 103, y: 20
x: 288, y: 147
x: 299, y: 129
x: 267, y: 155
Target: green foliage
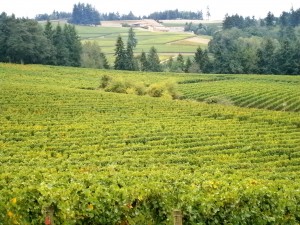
x: 202, y: 29
x: 266, y: 57
x: 164, y: 89
x: 245, y: 47
x: 238, y: 22
x: 25, y: 41
x: 105, y: 81
x: 236, y: 51
x: 93, y: 57
x: 22, y: 41
x: 202, y: 60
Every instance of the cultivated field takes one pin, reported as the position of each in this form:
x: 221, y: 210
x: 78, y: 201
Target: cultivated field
x: 166, y: 43
x: 74, y: 154
x: 256, y: 91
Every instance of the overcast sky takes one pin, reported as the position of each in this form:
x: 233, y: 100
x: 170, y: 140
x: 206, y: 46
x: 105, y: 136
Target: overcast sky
x: 218, y: 8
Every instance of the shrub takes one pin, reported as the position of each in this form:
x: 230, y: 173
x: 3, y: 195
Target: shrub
x: 172, y: 89
x: 117, y: 86
x: 140, y: 89
x: 166, y: 89
x: 104, y: 81
x: 156, y: 90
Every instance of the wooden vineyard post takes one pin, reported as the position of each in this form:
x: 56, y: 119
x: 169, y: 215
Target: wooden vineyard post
x: 177, y: 217
x: 49, y: 216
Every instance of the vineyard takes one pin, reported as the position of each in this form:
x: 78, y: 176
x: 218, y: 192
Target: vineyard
x: 265, y: 92
x: 73, y: 154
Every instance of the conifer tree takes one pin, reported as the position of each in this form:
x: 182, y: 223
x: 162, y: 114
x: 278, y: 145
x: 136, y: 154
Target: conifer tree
x: 120, y: 54
x: 201, y: 58
x: 266, y: 57
x: 73, y: 45
x: 131, y: 44
x: 62, y: 52
x: 180, y: 62
x: 129, y: 57
x: 153, y: 61
x: 132, y: 41
x: 188, y: 65
x: 144, y: 62
x: 49, y: 33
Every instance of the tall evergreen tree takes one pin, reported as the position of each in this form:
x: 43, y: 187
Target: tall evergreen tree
x: 266, y: 58
x: 73, y: 45
x: 153, y: 61
x: 120, y: 54
x: 131, y: 44
x: 49, y: 33
x: 170, y: 63
x: 188, y: 65
x: 7, y: 24
x: 62, y: 52
x: 132, y: 41
x: 201, y: 58
x: 144, y: 62
x: 180, y: 62
x: 130, y: 65
x: 270, y: 19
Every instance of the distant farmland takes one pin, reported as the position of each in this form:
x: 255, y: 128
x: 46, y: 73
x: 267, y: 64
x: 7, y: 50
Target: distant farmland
x: 168, y: 44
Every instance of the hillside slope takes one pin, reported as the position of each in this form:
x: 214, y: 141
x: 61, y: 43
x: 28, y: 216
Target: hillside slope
x: 93, y: 157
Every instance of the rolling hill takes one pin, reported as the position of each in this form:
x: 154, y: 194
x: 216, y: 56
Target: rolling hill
x: 73, y: 154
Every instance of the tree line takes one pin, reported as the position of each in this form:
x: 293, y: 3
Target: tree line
x: 86, y: 14
x: 55, y: 15
x: 286, y: 19
x: 176, y: 14
x: 249, y: 46
x: 25, y: 41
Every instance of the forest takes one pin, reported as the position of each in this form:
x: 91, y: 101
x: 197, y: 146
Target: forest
x: 25, y: 41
